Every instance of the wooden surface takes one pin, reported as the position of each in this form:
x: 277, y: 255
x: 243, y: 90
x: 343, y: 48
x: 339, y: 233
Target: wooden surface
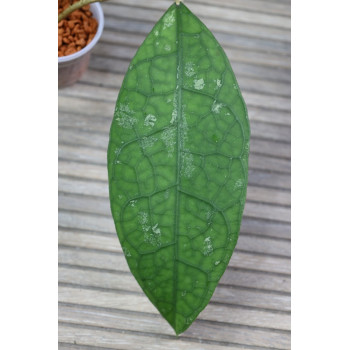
x: 100, y: 304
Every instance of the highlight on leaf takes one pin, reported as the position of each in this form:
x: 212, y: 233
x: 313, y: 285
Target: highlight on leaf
x: 178, y: 165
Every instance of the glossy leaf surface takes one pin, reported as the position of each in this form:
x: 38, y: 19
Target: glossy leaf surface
x: 178, y: 165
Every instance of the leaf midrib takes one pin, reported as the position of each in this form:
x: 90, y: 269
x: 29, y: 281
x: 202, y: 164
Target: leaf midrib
x: 178, y: 96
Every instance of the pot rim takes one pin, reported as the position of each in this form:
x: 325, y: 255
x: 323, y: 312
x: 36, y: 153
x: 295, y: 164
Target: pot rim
x: 97, y: 11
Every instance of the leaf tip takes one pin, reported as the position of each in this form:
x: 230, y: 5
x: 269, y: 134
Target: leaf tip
x: 178, y: 331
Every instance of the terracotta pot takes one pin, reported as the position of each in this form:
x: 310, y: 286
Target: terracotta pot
x: 72, y: 67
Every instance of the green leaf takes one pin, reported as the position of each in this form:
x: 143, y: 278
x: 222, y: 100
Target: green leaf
x: 178, y: 165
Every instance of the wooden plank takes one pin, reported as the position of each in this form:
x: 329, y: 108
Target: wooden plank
x: 119, y: 36
x: 269, y: 212
x: 267, y: 228
x: 101, y: 122
x: 126, y: 282
x: 271, y: 148
x: 200, y: 331
x: 96, y: 124
x: 263, y: 245
x: 84, y: 187
x: 254, y: 280
x: 232, y: 277
x: 87, y: 92
x: 157, y: 8
x: 100, y: 189
x: 268, y: 116
x: 70, y: 107
x: 272, y: 180
x: 264, y: 86
x: 269, y: 102
x: 101, y: 78
x: 277, y: 74
x: 83, y: 154
x: 238, y: 49
x: 97, y: 156
x: 83, y: 221
x: 254, y: 44
x: 101, y: 205
x: 267, y: 163
x: 268, y: 195
x: 65, y: 346
x: 272, y: 7
x: 83, y: 138
x: 100, y: 338
x: 76, y: 115
x: 260, y: 131
x: 119, y: 50
x: 139, y: 302
x: 96, y: 140
x: 252, y: 30
x: 270, y: 131
x: 111, y: 94
x: 251, y: 226
x: 88, y: 240
x: 248, y: 30
x: 84, y: 171
x: 260, y: 263
x: 109, y: 259
x: 99, y: 173
x: 114, y: 81
x: 119, y: 340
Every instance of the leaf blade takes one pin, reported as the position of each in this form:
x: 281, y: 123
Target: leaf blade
x: 177, y: 165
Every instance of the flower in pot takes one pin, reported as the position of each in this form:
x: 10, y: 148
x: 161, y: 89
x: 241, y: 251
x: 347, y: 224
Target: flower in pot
x: 80, y: 25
